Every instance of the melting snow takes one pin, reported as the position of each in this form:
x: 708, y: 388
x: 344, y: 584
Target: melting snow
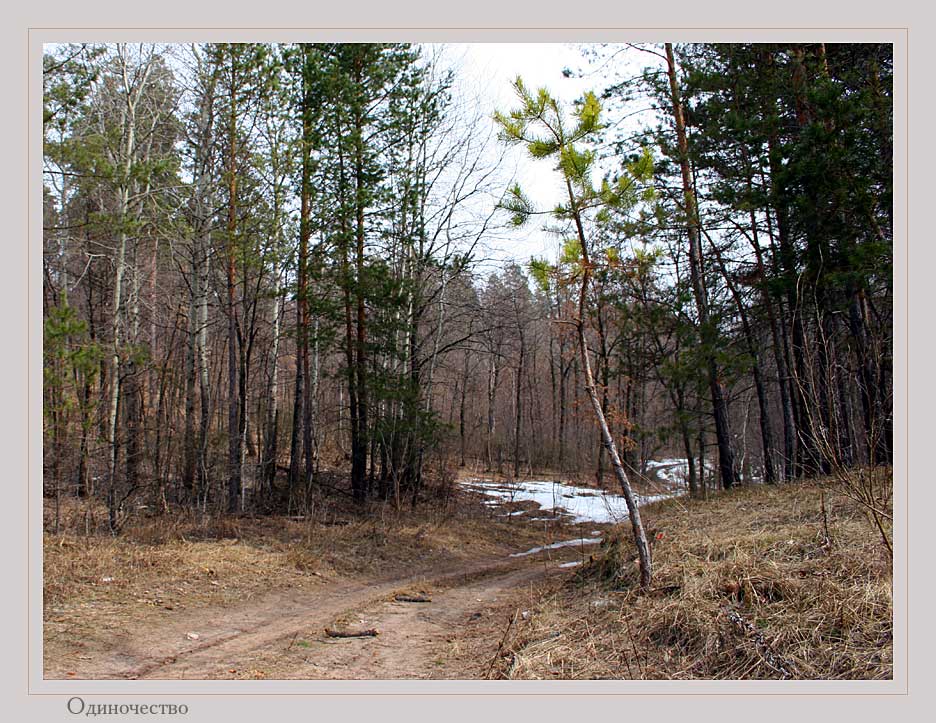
x: 673, y: 470
x: 581, y: 503
x: 555, y: 545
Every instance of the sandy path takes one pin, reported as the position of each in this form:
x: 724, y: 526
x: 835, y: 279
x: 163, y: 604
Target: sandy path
x: 418, y: 640
x: 281, y: 635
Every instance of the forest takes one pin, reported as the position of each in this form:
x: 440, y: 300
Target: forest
x: 276, y: 274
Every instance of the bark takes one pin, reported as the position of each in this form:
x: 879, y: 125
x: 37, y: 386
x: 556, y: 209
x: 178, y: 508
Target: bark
x: 604, y: 364
x: 461, y: 411
x: 518, y: 407
x: 204, y: 380
x: 188, y: 453
x: 783, y: 376
x: 874, y: 413
x: 85, y: 486
x: 268, y: 457
x: 368, y: 633
x: 302, y: 416
x: 491, y: 417
x: 271, y: 427
x: 359, y: 449
x: 690, y: 460
x: 554, y: 389
x: 234, y: 431
x: 197, y: 286
x: 640, y: 539
x: 133, y: 93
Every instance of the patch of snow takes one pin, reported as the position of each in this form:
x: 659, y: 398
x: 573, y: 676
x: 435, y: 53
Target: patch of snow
x: 673, y: 470
x: 583, y: 504
x: 574, y: 563
x: 556, y: 545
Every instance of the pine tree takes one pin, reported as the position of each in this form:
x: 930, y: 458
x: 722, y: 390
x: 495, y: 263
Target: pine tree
x: 540, y: 124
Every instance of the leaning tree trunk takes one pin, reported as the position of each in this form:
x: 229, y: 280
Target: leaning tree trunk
x: 783, y: 376
x: 640, y: 537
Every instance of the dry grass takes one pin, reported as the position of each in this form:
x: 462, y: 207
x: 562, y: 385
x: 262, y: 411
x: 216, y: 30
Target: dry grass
x: 97, y: 586
x: 758, y: 583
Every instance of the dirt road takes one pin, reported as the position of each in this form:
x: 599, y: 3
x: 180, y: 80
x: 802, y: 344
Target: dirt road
x: 281, y: 635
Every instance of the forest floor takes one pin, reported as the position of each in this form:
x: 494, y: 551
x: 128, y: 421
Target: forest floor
x: 251, y: 598
x: 784, y: 582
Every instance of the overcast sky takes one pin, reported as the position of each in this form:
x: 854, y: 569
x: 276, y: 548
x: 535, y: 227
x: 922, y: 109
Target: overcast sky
x: 488, y: 69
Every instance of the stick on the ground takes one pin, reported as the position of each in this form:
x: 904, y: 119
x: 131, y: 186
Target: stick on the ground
x: 825, y: 519
x: 412, y: 598
x: 369, y: 633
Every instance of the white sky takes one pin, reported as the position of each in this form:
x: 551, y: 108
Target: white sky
x: 488, y: 69
x: 493, y: 67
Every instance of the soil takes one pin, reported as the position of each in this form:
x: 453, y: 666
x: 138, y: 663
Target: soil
x: 281, y: 634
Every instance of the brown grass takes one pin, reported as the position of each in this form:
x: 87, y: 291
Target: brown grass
x: 756, y: 583
x: 97, y: 586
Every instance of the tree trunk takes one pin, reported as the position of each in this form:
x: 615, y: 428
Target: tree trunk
x: 359, y: 449
x: 461, y: 411
x: 518, y: 405
x: 640, y: 538
x: 770, y: 474
x: 709, y: 333
x: 234, y: 431
x: 491, y: 418
x: 271, y: 427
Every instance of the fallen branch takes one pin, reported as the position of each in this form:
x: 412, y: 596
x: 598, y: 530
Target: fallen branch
x: 413, y: 598
x: 369, y: 633
x: 773, y: 660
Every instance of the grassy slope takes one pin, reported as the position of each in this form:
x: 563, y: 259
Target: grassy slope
x: 757, y: 583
